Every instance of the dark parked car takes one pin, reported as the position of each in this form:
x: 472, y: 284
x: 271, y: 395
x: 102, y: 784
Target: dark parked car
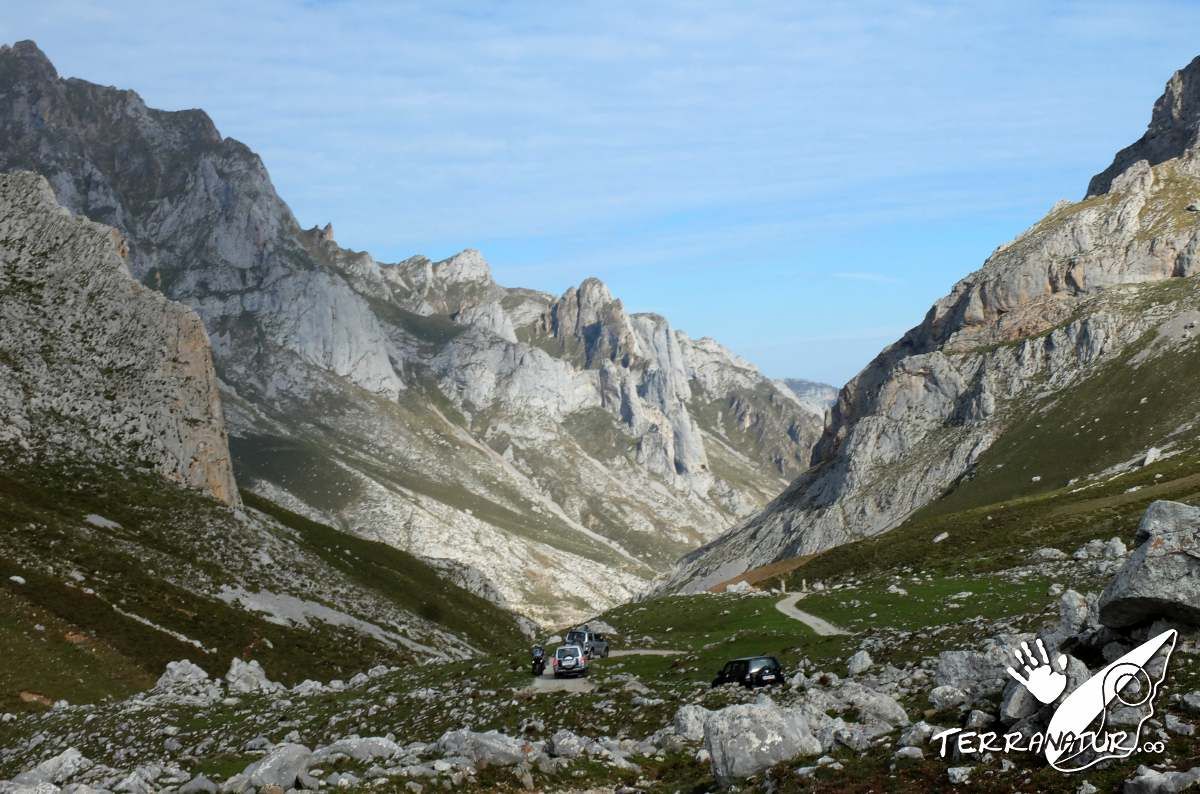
x: 751, y: 671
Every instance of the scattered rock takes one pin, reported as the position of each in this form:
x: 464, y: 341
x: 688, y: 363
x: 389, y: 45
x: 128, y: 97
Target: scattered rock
x: 859, y: 663
x: 369, y: 749
x: 567, y: 744
x: 56, y: 770
x: 960, y: 774
x: 947, y: 697
x: 1150, y: 781
x: 1178, y: 726
x: 100, y: 522
x: 249, y: 677
x: 198, y: 785
x: 283, y: 766
x: 977, y: 672
x: 485, y: 749
x: 918, y: 734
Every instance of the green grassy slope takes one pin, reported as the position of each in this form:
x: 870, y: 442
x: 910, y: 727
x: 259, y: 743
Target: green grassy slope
x: 405, y: 579
x: 79, y: 626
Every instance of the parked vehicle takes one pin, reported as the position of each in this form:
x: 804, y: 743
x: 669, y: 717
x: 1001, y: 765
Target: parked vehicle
x: 594, y: 645
x: 751, y: 671
x: 538, y: 660
x: 569, y: 660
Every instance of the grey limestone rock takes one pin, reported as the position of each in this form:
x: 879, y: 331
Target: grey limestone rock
x: 1162, y: 576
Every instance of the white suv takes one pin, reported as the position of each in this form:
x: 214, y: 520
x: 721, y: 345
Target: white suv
x: 569, y: 660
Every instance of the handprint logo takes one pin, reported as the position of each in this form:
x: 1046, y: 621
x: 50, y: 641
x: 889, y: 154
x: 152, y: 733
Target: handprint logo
x: 1041, y: 678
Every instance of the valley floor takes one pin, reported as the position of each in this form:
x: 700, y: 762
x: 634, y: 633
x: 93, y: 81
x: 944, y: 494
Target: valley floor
x: 929, y: 615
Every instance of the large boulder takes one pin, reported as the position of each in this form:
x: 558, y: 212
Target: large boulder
x: 56, y: 770
x: 859, y: 663
x: 284, y: 766
x: 183, y: 674
x: 187, y: 682
x: 1161, y: 579
x: 745, y: 739
x: 358, y: 748
x: 567, y: 744
x: 485, y: 749
x: 689, y: 722
x: 877, y: 711
x: 978, y: 673
x: 249, y: 677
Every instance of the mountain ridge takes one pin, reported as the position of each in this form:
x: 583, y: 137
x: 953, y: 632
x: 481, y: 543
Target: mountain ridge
x: 1047, y: 310
x: 557, y: 450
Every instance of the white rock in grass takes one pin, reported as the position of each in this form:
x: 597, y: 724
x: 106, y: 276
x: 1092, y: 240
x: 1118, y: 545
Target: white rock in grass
x: 56, y: 770
x: 959, y: 774
x: 248, y: 677
x: 745, y: 739
x: 860, y: 663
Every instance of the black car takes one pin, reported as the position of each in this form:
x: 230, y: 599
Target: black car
x: 751, y: 671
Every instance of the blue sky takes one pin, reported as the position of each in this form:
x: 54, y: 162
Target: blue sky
x: 800, y: 181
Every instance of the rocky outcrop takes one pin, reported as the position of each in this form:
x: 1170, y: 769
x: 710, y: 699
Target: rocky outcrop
x: 1044, y: 313
x: 1161, y: 579
x: 561, y: 450
x: 94, y: 366
x: 1172, y: 131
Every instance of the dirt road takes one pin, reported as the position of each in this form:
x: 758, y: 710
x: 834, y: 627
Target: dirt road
x: 546, y: 682
x: 821, y: 626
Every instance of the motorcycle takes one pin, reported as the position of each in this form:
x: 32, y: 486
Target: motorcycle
x: 538, y: 662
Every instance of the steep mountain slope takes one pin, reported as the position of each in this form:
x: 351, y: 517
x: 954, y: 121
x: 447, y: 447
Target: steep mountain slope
x: 554, y: 453
x: 122, y: 529
x: 1043, y: 367
x: 92, y: 364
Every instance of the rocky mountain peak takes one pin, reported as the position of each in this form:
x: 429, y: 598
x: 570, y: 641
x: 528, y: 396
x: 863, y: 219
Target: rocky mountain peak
x: 588, y: 320
x: 27, y: 56
x: 465, y: 267
x: 1174, y: 124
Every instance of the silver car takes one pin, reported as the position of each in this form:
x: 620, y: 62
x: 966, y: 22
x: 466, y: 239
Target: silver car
x: 593, y: 644
x: 569, y: 660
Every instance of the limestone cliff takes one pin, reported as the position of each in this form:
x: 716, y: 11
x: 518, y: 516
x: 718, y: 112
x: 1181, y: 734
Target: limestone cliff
x: 93, y: 365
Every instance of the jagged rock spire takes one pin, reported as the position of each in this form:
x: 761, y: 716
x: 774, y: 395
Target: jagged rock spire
x: 1172, y: 131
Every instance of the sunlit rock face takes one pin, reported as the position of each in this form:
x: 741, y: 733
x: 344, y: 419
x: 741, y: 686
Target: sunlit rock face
x: 93, y: 365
